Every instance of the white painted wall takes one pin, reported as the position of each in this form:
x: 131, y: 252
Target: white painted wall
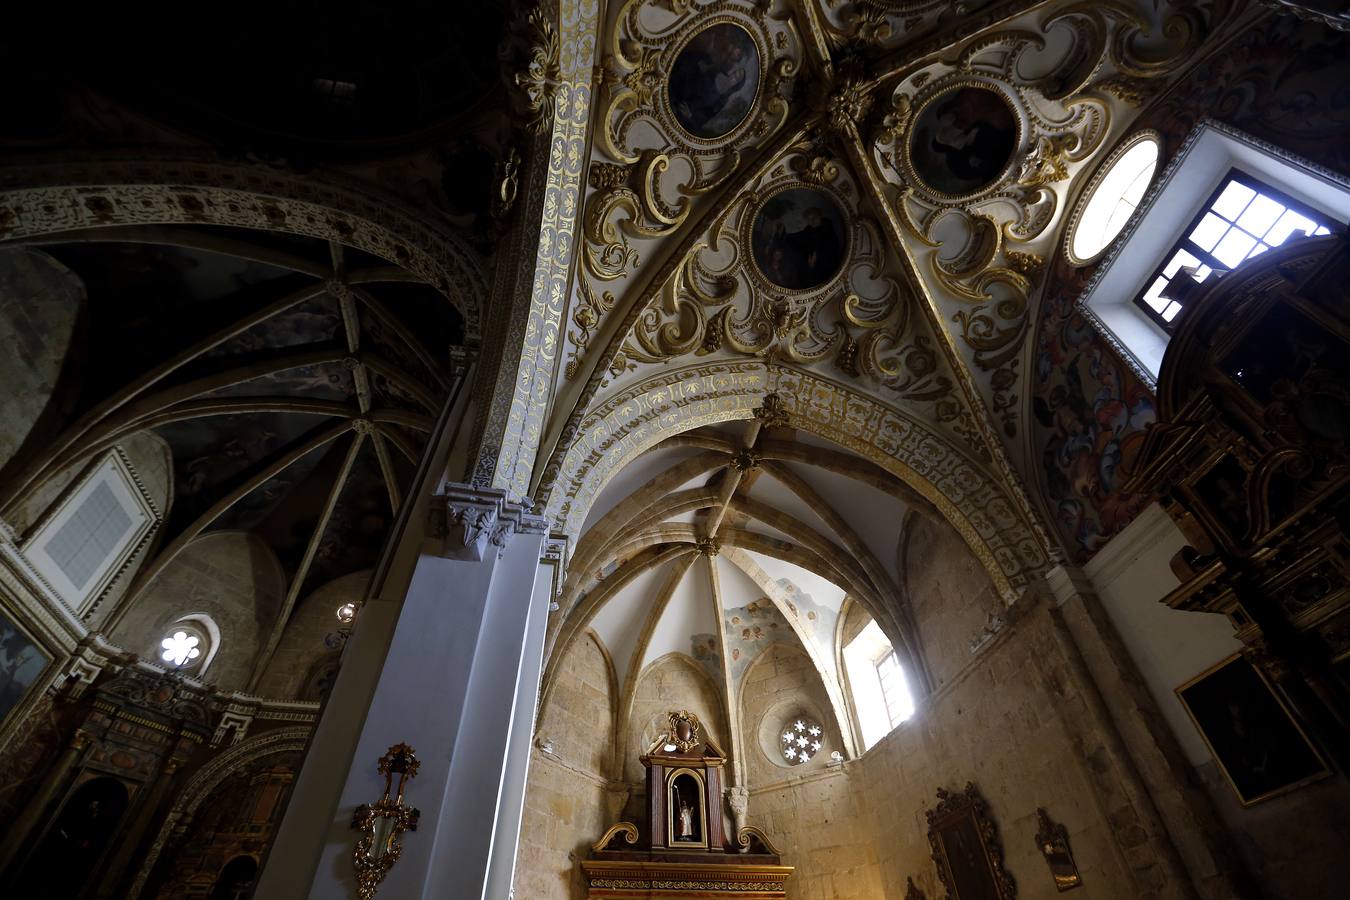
x: 1131, y: 575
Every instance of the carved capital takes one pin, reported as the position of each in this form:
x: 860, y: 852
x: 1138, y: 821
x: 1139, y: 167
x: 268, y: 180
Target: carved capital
x: 466, y: 521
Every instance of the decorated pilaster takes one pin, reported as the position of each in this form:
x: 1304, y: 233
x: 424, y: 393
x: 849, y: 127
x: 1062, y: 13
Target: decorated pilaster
x: 445, y: 657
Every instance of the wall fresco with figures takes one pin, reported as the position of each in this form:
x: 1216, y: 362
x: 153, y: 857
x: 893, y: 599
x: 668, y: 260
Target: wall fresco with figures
x: 1287, y: 82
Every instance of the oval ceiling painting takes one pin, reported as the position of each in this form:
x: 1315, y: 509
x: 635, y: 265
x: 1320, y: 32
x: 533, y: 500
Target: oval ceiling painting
x: 714, y: 80
x: 799, y: 238
x: 963, y: 140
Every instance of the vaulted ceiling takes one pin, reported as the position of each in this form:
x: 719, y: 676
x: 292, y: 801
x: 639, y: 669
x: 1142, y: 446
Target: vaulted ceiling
x: 718, y: 542
x: 937, y: 149
x: 295, y: 382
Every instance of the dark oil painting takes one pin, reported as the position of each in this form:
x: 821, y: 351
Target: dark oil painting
x: 21, y: 663
x: 1255, y: 741
x: 967, y: 863
x: 714, y: 80
x: 798, y: 238
x: 963, y: 140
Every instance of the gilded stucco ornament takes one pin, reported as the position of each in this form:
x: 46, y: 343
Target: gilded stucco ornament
x: 861, y: 320
x: 663, y: 148
x: 530, y: 54
x: 1061, y: 118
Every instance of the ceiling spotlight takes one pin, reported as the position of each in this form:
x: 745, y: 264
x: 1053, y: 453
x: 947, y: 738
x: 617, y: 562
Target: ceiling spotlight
x: 346, y: 613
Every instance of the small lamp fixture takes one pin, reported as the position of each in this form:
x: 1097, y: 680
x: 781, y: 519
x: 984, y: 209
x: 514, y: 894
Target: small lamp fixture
x: 383, y: 823
x: 346, y: 613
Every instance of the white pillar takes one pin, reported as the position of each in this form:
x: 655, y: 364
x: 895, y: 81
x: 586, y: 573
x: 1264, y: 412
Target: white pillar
x: 511, y: 802
x: 442, y: 668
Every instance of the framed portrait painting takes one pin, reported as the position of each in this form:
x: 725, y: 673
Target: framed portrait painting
x: 966, y: 848
x: 799, y: 239
x: 22, y: 663
x: 1259, y: 745
x: 714, y: 81
x: 963, y: 140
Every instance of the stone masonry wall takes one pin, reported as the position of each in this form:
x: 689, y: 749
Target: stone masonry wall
x: 781, y: 684
x: 565, y: 796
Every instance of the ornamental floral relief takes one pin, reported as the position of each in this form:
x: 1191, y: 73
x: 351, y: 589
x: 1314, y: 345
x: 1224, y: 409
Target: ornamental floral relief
x: 686, y: 87
x: 796, y: 271
x: 981, y: 144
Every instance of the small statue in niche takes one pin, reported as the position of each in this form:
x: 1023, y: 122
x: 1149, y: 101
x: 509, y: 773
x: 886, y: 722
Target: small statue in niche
x: 1052, y: 839
x: 686, y: 821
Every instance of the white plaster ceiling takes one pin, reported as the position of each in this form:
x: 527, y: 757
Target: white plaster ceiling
x: 691, y: 611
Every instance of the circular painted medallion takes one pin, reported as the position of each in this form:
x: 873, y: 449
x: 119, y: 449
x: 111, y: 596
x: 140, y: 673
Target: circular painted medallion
x: 799, y: 238
x: 713, y: 83
x: 963, y: 140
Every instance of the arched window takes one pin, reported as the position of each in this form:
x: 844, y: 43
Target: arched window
x: 1112, y: 196
x: 876, y: 679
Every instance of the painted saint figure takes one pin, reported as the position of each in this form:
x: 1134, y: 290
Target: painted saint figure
x: 686, y: 829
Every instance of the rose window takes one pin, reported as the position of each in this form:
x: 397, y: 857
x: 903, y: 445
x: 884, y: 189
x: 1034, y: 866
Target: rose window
x: 801, y: 739
x: 180, y: 648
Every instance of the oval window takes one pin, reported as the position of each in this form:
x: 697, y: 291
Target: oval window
x: 1111, y: 198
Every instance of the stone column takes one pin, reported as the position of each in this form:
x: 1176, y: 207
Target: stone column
x: 54, y: 782
x: 1189, y: 843
x: 443, y: 665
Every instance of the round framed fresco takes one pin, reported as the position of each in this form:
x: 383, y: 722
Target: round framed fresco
x: 799, y: 238
x: 963, y: 140
x: 714, y: 80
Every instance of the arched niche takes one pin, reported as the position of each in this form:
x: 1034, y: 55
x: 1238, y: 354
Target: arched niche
x: 779, y: 685
x: 310, y: 638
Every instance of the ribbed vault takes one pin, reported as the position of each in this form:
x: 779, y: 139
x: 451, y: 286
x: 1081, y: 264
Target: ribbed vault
x: 723, y: 540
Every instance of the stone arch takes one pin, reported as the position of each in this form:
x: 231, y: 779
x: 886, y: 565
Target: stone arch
x: 208, y: 778
x: 243, y: 598
x: 753, y: 717
x: 510, y: 430
x: 634, y: 730
x: 106, y: 194
x: 993, y: 516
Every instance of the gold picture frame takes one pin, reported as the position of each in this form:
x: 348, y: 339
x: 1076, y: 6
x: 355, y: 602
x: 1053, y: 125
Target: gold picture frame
x: 966, y: 847
x: 671, y: 812
x: 1258, y: 744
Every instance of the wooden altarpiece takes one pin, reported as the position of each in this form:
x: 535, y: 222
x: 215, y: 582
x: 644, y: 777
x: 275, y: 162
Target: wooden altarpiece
x: 1250, y: 458
x: 684, y: 848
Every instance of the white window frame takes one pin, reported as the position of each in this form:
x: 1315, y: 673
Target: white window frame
x: 1210, y: 151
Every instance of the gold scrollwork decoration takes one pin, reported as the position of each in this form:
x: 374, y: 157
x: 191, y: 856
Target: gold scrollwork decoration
x: 383, y: 823
x: 627, y: 829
